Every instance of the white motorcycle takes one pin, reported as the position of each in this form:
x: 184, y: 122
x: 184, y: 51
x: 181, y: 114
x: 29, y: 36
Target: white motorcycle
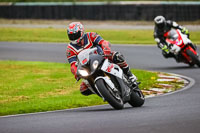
x: 107, y: 80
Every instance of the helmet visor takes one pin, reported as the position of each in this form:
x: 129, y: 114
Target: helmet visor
x: 74, y: 36
x: 161, y: 25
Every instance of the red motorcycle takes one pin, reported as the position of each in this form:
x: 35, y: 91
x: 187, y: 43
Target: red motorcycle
x: 181, y: 47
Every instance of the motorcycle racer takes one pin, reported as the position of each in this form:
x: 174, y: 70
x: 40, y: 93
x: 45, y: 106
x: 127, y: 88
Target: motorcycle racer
x: 80, y: 40
x: 161, y: 27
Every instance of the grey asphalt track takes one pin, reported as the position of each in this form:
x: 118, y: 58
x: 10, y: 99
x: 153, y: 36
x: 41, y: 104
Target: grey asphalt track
x: 175, y: 113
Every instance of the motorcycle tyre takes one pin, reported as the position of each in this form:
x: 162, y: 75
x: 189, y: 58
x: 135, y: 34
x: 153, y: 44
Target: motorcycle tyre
x: 108, y: 96
x: 194, y: 57
x: 137, y: 98
x: 191, y: 64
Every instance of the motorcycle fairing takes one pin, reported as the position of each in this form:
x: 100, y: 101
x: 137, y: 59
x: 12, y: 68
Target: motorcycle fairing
x: 123, y: 87
x: 184, y: 37
x: 188, y: 58
x: 112, y: 69
x: 108, y: 82
x: 175, y: 49
x: 176, y: 37
x: 178, y: 40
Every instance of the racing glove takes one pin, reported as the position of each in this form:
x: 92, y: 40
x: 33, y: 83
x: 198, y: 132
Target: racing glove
x: 106, y: 48
x: 165, y: 49
x: 185, y: 31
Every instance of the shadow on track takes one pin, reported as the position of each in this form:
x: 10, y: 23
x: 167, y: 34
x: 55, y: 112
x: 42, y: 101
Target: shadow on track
x: 104, y: 108
x: 174, y: 68
x: 108, y: 109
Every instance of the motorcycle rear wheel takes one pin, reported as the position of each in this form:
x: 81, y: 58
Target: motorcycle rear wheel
x: 193, y: 57
x: 114, y: 100
x: 137, y: 98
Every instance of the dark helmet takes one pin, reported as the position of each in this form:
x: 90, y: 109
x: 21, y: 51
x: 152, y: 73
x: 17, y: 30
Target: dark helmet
x: 75, y: 32
x: 160, y: 22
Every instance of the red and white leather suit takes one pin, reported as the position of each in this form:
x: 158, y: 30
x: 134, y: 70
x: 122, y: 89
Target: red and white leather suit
x: 90, y: 40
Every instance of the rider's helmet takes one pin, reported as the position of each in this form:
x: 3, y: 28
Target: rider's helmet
x: 75, y: 32
x: 160, y: 22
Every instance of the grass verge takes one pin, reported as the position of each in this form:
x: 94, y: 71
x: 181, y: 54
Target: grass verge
x: 27, y: 87
x: 77, y: 0
x: 59, y: 35
x: 96, y: 22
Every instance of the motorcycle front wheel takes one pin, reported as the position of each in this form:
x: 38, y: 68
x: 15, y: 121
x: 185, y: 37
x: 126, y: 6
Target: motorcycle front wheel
x: 110, y: 96
x: 137, y: 98
x: 193, y: 57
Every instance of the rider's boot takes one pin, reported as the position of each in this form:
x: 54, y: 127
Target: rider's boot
x: 119, y: 59
x: 130, y: 76
x: 133, y: 82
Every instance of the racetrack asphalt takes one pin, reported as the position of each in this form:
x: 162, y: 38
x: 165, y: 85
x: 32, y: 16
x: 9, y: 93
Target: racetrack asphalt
x: 175, y: 113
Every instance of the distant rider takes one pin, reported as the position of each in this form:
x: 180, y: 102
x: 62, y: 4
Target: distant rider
x: 161, y: 27
x: 80, y: 40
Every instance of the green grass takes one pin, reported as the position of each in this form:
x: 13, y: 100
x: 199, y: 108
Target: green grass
x: 60, y: 35
x: 79, y: 0
x: 33, y: 35
x: 27, y: 87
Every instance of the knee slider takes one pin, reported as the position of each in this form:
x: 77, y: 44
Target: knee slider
x: 84, y: 89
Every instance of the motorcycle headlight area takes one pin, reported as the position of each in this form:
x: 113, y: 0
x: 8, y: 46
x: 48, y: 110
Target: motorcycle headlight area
x: 95, y: 64
x: 83, y: 72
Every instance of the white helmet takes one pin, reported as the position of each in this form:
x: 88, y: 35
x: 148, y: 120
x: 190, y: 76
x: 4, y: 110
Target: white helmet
x: 160, y: 22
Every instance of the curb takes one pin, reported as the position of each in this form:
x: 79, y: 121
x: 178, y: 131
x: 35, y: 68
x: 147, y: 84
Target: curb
x: 169, y: 83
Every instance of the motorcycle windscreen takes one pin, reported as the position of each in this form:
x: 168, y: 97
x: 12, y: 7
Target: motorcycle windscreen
x: 83, y: 56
